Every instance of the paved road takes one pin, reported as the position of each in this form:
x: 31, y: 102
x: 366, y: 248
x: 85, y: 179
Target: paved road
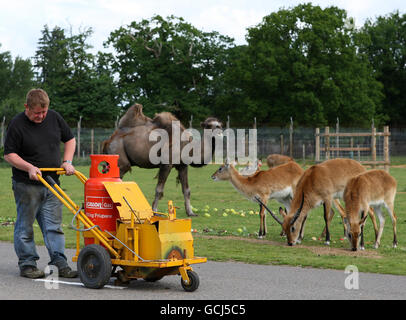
x: 218, y: 281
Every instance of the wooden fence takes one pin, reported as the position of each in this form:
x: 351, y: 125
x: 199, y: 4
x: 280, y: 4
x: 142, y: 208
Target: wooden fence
x: 333, y: 150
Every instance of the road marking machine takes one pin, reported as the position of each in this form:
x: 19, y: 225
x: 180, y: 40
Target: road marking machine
x: 121, y: 231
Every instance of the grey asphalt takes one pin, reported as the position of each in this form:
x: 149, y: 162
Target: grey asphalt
x: 218, y: 281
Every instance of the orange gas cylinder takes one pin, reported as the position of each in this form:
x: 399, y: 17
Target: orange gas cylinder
x: 98, y: 205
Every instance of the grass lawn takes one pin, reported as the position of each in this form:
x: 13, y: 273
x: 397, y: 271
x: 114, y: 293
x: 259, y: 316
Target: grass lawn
x: 227, y: 224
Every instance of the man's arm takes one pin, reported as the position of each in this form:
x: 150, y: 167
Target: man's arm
x: 16, y: 161
x: 68, y: 154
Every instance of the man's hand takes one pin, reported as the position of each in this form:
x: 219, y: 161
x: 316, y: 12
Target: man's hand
x: 32, y: 173
x: 69, y: 168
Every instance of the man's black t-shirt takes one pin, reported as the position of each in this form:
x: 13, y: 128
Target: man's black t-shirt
x: 37, y: 143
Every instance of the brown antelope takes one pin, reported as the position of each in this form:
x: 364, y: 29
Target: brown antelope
x: 320, y: 184
x: 276, y: 183
x: 374, y: 188
x: 274, y: 160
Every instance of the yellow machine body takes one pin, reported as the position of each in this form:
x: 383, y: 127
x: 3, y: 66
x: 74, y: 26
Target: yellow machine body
x: 158, y: 237
x: 146, y: 244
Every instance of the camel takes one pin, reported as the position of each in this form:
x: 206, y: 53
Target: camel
x: 131, y: 141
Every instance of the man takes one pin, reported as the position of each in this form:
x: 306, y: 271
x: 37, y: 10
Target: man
x: 32, y: 142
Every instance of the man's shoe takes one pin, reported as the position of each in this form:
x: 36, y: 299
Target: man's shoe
x: 67, y: 272
x: 31, y: 272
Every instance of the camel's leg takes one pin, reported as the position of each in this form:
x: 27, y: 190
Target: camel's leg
x: 163, y: 174
x: 183, y: 178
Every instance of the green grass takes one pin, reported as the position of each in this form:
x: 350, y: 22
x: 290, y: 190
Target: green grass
x: 212, y: 238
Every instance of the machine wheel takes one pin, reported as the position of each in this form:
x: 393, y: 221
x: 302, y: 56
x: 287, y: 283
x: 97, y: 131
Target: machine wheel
x: 94, y: 266
x: 194, y: 281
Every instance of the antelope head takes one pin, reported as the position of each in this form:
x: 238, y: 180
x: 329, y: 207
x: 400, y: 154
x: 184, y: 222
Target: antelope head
x: 222, y: 173
x: 291, y: 226
x: 353, y: 231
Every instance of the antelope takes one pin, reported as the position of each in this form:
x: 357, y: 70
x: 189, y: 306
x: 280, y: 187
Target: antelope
x: 320, y: 184
x: 374, y: 188
x: 276, y: 183
x: 274, y: 160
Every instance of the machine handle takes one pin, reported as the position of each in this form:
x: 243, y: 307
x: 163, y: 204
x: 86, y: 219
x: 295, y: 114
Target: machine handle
x: 50, y: 180
x: 61, y: 171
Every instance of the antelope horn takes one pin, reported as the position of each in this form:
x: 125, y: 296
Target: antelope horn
x: 271, y: 213
x: 297, y: 214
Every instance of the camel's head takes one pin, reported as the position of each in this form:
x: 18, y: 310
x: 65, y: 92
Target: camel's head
x: 211, y: 123
x: 133, y: 117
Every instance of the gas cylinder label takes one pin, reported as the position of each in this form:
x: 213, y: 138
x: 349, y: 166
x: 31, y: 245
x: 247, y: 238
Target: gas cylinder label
x: 101, y: 203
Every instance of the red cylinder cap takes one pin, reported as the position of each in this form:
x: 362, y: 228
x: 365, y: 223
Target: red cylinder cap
x: 104, y: 166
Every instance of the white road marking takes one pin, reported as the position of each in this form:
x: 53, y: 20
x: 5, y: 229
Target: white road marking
x: 76, y: 283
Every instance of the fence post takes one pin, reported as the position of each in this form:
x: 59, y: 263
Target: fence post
x: 2, y: 131
x: 116, y: 122
x: 291, y: 138
x: 317, y: 151
x: 228, y: 139
x: 281, y: 141
x: 327, y: 142
x: 78, y: 144
x: 373, y: 146
x: 386, y: 147
x: 359, y: 153
x: 91, y: 140
x: 337, y: 138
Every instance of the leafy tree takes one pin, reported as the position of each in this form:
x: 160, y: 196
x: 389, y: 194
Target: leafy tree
x: 70, y: 75
x: 233, y: 96
x: 168, y: 65
x: 16, y: 78
x: 51, y: 61
x: 102, y: 105
x: 303, y: 62
x: 6, y: 65
x: 385, y: 45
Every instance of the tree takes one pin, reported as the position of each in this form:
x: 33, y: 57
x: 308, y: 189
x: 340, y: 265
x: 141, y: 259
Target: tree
x: 6, y: 65
x: 74, y: 82
x: 385, y: 46
x: 16, y: 78
x: 303, y: 62
x: 51, y: 61
x: 168, y: 65
x: 234, y: 97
